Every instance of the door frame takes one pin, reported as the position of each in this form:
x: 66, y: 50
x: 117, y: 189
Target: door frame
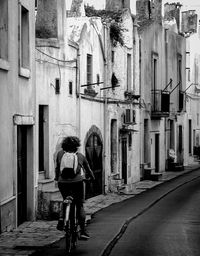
x: 157, y: 152
x: 124, y: 157
x: 31, y: 191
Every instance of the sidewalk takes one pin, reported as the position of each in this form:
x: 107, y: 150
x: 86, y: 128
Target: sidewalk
x: 30, y: 236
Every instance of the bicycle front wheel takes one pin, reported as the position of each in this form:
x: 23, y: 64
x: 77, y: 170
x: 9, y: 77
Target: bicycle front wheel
x: 68, y: 242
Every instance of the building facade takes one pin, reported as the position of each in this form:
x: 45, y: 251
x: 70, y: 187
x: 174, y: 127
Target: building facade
x: 162, y: 60
x: 17, y: 98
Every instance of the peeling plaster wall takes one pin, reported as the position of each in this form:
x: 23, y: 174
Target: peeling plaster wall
x: 193, y: 102
x: 152, y: 42
x: 116, y: 111
x: 17, y: 96
x: 60, y: 106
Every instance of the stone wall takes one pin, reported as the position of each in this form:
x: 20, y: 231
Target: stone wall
x: 46, y: 22
x: 116, y: 5
x: 172, y: 11
x: 148, y: 11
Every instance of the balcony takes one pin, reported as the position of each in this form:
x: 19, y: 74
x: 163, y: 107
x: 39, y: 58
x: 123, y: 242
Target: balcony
x: 130, y: 95
x: 160, y: 102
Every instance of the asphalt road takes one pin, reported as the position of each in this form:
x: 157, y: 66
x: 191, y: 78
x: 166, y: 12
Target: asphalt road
x: 170, y: 228
x: 161, y: 221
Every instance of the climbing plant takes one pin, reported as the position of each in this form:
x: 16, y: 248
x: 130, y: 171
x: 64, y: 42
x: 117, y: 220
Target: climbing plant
x: 113, y: 19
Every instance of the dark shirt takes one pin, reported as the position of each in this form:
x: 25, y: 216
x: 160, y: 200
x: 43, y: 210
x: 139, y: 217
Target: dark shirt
x: 82, y: 163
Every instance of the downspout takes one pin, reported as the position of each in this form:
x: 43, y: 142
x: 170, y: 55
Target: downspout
x: 78, y: 92
x: 105, y: 108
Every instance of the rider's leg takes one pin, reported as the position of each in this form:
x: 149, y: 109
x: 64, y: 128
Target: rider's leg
x: 64, y: 192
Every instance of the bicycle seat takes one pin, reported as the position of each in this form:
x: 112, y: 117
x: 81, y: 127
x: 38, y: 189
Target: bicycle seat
x: 68, y: 199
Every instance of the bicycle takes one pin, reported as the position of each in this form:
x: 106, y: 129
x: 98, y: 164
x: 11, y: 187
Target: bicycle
x: 71, y: 226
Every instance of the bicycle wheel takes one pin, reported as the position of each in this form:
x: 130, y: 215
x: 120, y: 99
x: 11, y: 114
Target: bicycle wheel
x: 68, y: 239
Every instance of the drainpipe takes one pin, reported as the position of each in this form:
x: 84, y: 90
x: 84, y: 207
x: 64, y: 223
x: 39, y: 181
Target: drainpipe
x: 105, y: 107
x: 78, y: 92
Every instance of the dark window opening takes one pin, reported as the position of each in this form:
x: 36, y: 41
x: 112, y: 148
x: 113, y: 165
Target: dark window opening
x: 89, y: 69
x: 98, y: 79
x: 70, y: 88
x: 57, y: 86
x: 24, y: 37
x: 113, y: 56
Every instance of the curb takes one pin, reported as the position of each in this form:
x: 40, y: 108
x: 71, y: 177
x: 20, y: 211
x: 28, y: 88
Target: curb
x: 111, y: 244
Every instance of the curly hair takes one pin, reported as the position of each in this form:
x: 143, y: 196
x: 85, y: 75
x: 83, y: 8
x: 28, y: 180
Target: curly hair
x: 71, y: 144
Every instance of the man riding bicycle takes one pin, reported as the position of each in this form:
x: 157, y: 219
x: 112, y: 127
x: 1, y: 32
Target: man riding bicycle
x: 71, y: 178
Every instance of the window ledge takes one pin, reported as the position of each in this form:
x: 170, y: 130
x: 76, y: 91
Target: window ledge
x: 4, y: 64
x: 25, y: 72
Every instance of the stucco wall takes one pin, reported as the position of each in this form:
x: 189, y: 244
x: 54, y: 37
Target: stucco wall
x: 17, y: 96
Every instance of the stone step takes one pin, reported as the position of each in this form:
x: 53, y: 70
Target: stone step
x: 156, y: 176
x: 45, y: 184
x: 42, y: 175
x: 44, y: 203
x: 178, y: 168
x: 116, y: 184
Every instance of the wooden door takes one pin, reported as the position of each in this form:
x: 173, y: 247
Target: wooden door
x: 21, y: 174
x: 124, y: 160
x: 94, y: 156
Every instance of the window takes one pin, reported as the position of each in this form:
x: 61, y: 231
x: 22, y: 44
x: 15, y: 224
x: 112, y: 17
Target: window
x: 179, y: 70
x: 70, y: 88
x: 154, y: 74
x: 154, y: 71
x: 197, y: 118
x: 3, y: 33
x: 179, y: 80
x: 24, y: 42
x: 113, y: 56
x: 24, y: 37
x: 188, y: 74
x: 57, y: 86
x: 98, y: 79
x: 89, y: 69
x: 129, y: 69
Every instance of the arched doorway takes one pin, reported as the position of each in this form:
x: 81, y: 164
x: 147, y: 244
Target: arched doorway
x: 93, y: 149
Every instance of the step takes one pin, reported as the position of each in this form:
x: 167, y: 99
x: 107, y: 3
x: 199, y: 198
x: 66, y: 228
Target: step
x: 156, y: 176
x: 147, y: 172
x: 44, y: 202
x: 44, y: 184
x: 42, y: 175
x: 178, y: 168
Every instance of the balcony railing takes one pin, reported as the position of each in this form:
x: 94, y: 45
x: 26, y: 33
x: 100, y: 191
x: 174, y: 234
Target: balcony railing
x: 160, y: 102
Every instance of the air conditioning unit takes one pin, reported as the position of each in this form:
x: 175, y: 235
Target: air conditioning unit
x: 130, y: 116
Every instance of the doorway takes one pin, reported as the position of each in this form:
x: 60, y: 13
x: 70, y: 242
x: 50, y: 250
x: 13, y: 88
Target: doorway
x: 93, y: 151
x: 21, y: 174
x: 43, y: 139
x: 124, y: 160
x: 157, y: 152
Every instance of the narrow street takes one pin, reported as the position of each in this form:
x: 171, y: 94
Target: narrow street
x: 161, y: 221
x: 170, y: 228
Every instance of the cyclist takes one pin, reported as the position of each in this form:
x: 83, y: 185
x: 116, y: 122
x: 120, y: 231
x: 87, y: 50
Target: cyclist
x: 73, y: 186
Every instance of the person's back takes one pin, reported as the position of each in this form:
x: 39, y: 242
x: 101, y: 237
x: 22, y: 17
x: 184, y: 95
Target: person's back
x: 72, y: 183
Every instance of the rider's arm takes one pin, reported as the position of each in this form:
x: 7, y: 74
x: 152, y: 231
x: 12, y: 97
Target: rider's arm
x: 57, y: 165
x: 86, y: 166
